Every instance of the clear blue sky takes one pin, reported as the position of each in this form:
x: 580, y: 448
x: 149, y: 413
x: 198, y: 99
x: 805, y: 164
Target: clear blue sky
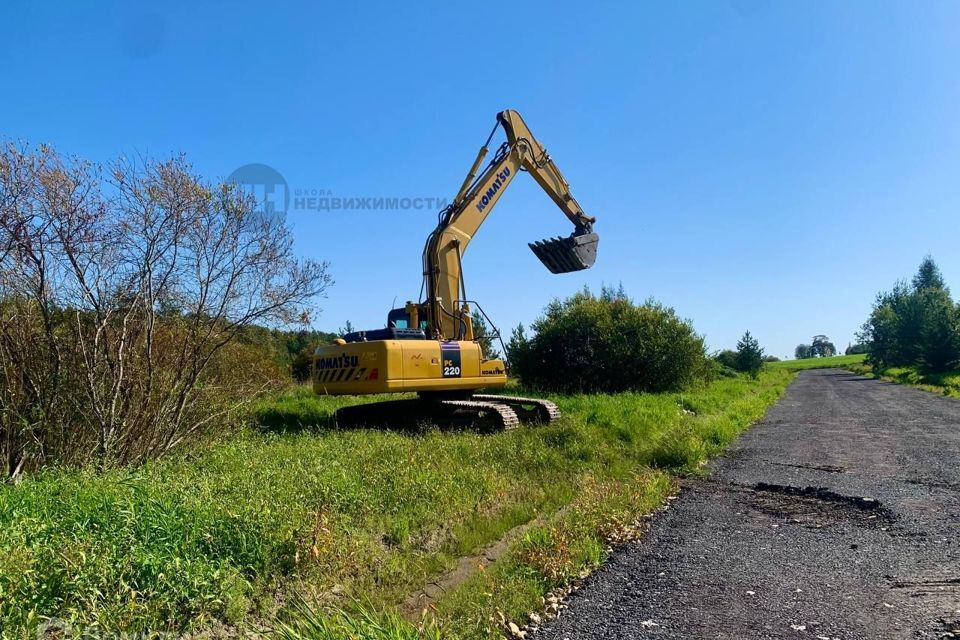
x: 756, y: 165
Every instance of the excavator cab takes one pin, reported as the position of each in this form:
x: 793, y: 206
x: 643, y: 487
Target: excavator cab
x: 576, y: 252
x: 399, y: 327
x: 399, y: 319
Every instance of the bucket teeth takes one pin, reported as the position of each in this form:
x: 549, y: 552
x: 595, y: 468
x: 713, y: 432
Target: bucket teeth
x: 563, y: 255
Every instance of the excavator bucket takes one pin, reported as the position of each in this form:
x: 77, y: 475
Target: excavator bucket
x: 563, y: 255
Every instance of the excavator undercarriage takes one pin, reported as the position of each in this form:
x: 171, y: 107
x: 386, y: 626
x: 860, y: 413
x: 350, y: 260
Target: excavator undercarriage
x: 483, y: 412
x: 429, y: 347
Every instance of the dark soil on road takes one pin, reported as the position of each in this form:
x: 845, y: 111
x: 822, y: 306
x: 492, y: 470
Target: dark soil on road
x: 837, y: 516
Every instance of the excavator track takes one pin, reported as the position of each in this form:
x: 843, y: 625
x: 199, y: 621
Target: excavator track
x: 504, y: 416
x: 528, y: 409
x: 417, y: 413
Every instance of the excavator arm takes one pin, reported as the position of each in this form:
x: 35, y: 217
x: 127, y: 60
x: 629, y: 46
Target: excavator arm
x: 446, y: 312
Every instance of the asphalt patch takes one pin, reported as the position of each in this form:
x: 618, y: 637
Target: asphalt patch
x: 819, y: 507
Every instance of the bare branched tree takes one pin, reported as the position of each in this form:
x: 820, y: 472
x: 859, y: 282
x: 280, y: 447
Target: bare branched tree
x: 120, y: 301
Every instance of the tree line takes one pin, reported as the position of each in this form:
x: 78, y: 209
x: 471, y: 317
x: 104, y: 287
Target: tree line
x: 915, y: 324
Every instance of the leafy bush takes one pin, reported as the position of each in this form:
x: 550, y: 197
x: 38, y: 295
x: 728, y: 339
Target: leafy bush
x: 607, y: 343
x: 727, y: 358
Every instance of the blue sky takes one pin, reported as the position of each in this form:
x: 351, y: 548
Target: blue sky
x: 756, y: 165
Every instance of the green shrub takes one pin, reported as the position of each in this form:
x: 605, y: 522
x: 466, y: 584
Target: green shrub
x: 607, y: 343
x: 727, y: 358
x: 302, y: 366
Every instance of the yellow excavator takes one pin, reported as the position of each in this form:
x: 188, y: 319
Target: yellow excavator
x: 429, y: 347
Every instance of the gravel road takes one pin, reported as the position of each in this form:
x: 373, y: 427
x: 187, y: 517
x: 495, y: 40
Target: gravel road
x: 837, y: 516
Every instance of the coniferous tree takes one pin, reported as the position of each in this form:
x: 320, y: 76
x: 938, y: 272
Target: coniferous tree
x: 749, y: 355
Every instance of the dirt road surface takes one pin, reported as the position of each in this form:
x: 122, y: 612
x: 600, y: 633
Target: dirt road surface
x: 837, y: 516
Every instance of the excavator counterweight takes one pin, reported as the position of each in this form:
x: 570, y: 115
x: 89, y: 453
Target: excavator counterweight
x: 429, y: 347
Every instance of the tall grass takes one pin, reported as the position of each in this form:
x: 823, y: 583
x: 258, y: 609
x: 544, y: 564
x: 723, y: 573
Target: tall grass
x: 230, y: 533
x: 305, y: 622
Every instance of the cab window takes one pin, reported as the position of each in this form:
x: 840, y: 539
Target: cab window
x: 398, y: 319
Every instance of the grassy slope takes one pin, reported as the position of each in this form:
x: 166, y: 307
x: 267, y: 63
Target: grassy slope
x: 947, y: 384
x: 230, y: 533
x: 835, y: 362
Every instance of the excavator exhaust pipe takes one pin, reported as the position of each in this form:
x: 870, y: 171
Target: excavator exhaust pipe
x: 563, y: 255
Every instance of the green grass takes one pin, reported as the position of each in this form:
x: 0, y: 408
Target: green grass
x: 947, y: 384
x: 304, y: 622
x: 238, y: 533
x: 835, y: 362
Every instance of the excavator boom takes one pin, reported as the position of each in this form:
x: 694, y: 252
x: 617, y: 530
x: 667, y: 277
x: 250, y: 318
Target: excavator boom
x: 477, y: 197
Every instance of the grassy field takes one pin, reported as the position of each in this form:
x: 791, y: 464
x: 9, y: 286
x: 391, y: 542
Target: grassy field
x: 329, y: 530
x: 835, y: 362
